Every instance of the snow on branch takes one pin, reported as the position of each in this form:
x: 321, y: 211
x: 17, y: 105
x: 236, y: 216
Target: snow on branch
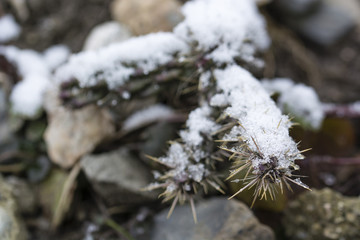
x: 116, y: 63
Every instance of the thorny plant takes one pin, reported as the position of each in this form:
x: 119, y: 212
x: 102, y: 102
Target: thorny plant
x: 233, y: 117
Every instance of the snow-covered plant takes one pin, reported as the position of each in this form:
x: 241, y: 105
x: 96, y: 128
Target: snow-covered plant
x: 298, y: 100
x: 235, y: 116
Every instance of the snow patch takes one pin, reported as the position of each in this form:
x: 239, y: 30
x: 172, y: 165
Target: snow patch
x: 299, y: 100
x: 9, y: 29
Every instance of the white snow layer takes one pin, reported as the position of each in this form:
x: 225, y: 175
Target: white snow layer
x: 297, y: 99
x: 178, y: 159
x: 233, y: 28
x: 9, y: 29
x: 198, y: 125
x: 263, y: 127
x: 56, y: 55
x: 114, y: 64
x: 35, y: 69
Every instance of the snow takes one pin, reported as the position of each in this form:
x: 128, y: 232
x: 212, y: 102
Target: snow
x: 297, y: 99
x: 263, y: 127
x: 198, y: 124
x: 56, y: 55
x: 35, y: 69
x: 117, y: 62
x: 355, y: 107
x: 27, y: 96
x: 9, y: 29
x: 234, y: 28
x: 178, y: 159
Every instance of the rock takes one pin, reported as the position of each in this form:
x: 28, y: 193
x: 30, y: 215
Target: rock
x: 323, y: 215
x: 71, y: 134
x: 143, y: 17
x: 296, y: 7
x: 23, y: 194
x: 218, y: 219
x: 11, y: 226
x: 262, y: 2
x: 352, y: 7
x: 118, y: 177
x: 105, y: 34
x: 325, y: 26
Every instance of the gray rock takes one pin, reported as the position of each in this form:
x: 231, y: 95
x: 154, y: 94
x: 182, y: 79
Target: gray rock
x: 323, y: 215
x: 118, y: 177
x: 218, y: 219
x: 325, y: 26
x: 296, y: 7
x: 11, y: 226
x: 105, y: 34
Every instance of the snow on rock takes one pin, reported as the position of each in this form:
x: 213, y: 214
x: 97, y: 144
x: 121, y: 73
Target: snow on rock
x: 56, y: 55
x: 263, y: 128
x: 9, y: 29
x: 27, y: 96
x: 299, y: 100
x: 35, y: 69
x: 234, y: 28
x: 117, y: 62
x: 146, y: 116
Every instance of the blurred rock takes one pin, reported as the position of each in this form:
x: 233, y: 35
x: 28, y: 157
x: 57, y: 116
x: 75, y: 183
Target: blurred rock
x: 323, y: 215
x: 296, y: 7
x: 218, y: 219
x: 352, y: 8
x: 71, y: 134
x: 105, y: 34
x: 262, y: 2
x: 148, y: 16
x: 326, y: 26
x: 23, y: 194
x: 11, y: 226
x: 45, y: 23
x: 322, y: 22
x: 118, y: 177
